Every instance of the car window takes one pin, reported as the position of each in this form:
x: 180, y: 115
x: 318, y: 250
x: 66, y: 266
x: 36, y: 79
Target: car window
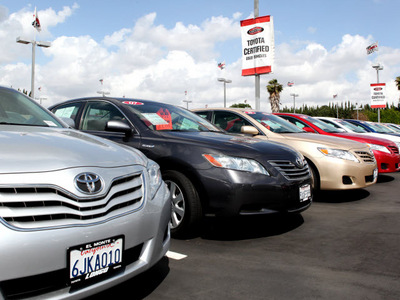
x: 296, y: 122
x: 98, y: 113
x: 18, y: 109
x: 273, y: 123
x: 229, y: 121
x: 68, y: 110
x: 322, y: 125
x: 352, y: 127
x: 162, y: 117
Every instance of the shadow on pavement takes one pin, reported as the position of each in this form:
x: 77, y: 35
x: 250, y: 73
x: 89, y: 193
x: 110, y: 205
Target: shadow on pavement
x: 341, y: 196
x: 248, y: 227
x: 384, y: 178
x: 140, y: 286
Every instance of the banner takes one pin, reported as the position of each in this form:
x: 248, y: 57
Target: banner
x: 371, y: 48
x: 378, y: 95
x: 257, y: 45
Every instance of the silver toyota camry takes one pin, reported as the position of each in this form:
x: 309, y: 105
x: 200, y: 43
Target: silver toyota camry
x: 78, y: 214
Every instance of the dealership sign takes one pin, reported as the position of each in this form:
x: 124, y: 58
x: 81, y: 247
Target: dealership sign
x: 378, y: 95
x: 257, y: 45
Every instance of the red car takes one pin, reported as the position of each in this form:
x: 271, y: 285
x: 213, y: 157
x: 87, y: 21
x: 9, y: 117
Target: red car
x: 386, y: 152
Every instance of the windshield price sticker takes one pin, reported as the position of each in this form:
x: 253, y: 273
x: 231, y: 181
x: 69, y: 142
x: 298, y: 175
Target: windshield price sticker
x: 94, y: 260
x: 305, y: 192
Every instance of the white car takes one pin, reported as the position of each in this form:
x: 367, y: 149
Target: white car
x: 78, y: 214
x: 349, y: 127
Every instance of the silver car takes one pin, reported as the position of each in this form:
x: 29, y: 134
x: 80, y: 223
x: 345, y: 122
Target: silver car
x: 78, y: 214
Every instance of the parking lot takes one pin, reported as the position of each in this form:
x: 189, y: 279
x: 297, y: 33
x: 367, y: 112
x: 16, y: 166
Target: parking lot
x: 346, y: 246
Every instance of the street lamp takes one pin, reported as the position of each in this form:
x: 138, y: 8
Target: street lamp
x: 225, y: 81
x: 378, y: 68
x: 187, y: 103
x: 294, y: 101
x: 34, y: 44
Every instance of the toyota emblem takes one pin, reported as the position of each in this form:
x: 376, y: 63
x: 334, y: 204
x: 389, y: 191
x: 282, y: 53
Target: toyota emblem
x: 299, y: 163
x: 88, y: 183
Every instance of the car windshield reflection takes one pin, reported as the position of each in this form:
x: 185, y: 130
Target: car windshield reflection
x: 18, y: 109
x: 163, y: 117
x: 274, y: 123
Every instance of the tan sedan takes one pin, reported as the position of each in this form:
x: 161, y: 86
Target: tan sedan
x: 336, y: 163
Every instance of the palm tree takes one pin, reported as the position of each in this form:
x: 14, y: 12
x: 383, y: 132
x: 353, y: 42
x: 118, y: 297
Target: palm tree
x: 397, y: 80
x: 274, y: 89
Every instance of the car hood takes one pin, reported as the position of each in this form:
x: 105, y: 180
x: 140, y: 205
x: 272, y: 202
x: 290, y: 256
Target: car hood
x: 41, y: 149
x: 365, y: 139
x: 322, y: 140
x: 234, y: 145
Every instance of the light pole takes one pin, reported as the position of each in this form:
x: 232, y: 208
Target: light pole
x: 225, y: 81
x: 378, y: 68
x: 294, y: 101
x: 187, y: 103
x: 34, y: 44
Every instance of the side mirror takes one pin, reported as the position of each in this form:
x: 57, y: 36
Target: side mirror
x: 249, y: 130
x: 308, y: 129
x: 118, y: 126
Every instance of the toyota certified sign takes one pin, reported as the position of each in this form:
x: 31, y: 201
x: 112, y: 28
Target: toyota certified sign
x: 378, y: 95
x: 257, y: 45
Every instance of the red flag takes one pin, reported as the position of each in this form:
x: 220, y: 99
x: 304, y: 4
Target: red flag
x: 36, y: 23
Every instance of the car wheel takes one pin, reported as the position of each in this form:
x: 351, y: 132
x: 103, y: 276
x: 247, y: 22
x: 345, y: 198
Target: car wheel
x: 315, y: 184
x: 186, y: 210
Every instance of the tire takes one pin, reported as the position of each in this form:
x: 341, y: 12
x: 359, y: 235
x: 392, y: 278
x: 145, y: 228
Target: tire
x: 186, y: 210
x: 315, y: 181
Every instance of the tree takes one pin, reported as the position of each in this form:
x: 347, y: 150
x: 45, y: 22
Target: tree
x: 241, y: 105
x: 397, y: 80
x: 274, y: 89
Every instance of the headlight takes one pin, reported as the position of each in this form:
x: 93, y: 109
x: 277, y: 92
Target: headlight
x: 155, y: 180
x: 342, y: 154
x: 235, y: 163
x: 379, y: 148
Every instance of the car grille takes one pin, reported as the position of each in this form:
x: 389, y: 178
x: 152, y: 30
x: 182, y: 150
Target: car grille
x: 394, y: 149
x: 290, y: 170
x: 366, y: 156
x: 33, y: 207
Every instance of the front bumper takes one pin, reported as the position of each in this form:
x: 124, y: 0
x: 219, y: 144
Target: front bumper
x: 387, y: 163
x: 38, y: 259
x: 231, y: 193
x: 337, y: 174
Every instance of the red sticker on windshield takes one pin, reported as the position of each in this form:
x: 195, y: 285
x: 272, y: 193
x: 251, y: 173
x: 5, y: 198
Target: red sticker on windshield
x: 132, y: 103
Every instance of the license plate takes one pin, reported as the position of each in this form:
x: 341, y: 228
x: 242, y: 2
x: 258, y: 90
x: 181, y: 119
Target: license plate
x: 305, y: 192
x: 375, y: 174
x: 92, y: 261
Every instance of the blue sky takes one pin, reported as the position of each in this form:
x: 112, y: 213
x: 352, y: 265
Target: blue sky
x: 320, y: 45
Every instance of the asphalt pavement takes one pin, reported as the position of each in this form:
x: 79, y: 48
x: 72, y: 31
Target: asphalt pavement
x: 345, y: 246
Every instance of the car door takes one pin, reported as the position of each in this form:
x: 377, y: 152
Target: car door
x: 92, y: 117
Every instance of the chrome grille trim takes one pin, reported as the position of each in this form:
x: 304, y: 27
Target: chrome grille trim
x: 366, y: 156
x: 290, y: 170
x: 43, y: 207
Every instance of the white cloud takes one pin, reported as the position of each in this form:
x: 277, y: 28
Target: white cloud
x: 154, y: 62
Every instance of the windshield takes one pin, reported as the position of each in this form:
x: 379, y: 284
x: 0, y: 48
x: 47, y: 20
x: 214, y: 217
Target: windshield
x: 379, y: 128
x: 18, y: 109
x: 322, y: 125
x: 274, y: 123
x: 164, y: 117
x: 352, y: 127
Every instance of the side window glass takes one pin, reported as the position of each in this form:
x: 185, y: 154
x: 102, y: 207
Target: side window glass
x: 97, y: 115
x: 67, y: 111
x: 229, y: 121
